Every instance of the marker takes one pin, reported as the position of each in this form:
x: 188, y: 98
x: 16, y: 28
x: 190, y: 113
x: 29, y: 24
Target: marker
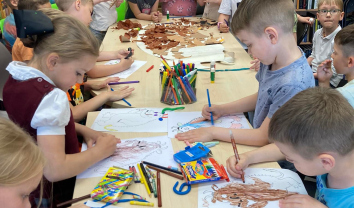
x: 150, y: 68
x: 227, y: 23
x: 168, y: 15
x: 127, y: 82
x: 211, y: 113
x: 142, y: 203
x: 123, y: 99
x: 212, y: 71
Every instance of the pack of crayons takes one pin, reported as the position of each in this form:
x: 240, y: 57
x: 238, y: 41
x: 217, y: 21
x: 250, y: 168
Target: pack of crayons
x: 178, y: 83
x: 203, y: 170
x: 112, y: 186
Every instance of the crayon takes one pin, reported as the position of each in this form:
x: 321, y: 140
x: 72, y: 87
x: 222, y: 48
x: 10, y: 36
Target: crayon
x: 142, y: 203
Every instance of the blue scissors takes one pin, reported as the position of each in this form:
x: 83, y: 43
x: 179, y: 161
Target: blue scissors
x: 180, y: 192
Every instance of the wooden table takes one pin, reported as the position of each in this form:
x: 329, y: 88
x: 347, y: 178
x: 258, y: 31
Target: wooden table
x: 229, y: 86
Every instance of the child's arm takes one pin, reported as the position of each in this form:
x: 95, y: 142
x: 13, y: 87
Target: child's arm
x: 268, y: 153
x: 223, y: 26
x: 139, y: 15
x: 106, y: 70
x: 61, y: 166
x: 300, y: 201
x: 80, y: 111
x: 112, y: 55
x: 119, y: 2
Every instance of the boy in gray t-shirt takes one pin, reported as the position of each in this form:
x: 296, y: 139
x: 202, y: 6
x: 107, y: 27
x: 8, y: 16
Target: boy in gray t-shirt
x: 285, y: 71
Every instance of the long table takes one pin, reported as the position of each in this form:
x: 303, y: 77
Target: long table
x: 229, y: 86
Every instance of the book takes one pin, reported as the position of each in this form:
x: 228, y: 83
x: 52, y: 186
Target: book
x: 203, y: 170
x: 112, y: 186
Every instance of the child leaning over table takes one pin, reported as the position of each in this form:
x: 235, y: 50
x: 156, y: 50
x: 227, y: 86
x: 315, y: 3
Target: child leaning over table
x: 283, y: 73
x: 315, y: 131
x: 82, y: 10
x: 329, y: 14
x: 144, y: 10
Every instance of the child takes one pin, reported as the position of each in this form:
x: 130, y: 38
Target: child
x: 329, y: 14
x: 19, y: 51
x: 82, y: 10
x: 211, y: 8
x: 21, y: 166
x: 34, y: 96
x: 283, y: 73
x: 179, y: 7
x: 104, y: 15
x: 9, y: 32
x: 144, y: 10
x: 314, y: 130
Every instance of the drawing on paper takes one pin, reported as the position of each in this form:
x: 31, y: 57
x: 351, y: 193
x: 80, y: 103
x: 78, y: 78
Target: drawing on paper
x: 126, y: 73
x: 263, y: 188
x: 132, y: 151
x: 131, y: 120
x: 180, y: 122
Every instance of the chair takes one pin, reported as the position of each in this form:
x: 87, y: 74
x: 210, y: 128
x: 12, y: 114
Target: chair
x: 121, y: 10
x: 301, y: 31
x: 54, y: 6
x: 5, y: 59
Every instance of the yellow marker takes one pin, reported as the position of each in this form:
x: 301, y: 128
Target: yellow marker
x: 166, y: 65
x: 143, y: 180
x: 190, y: 82
x: 142, y: 203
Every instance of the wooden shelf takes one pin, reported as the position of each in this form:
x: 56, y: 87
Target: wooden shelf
x: 306, y: 10
x: 305, y: 43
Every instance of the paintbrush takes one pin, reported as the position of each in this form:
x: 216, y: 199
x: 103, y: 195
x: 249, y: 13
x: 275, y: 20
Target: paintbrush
x: 236, y: 154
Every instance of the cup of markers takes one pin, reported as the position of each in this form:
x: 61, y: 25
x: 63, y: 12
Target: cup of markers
x: 178, y: 83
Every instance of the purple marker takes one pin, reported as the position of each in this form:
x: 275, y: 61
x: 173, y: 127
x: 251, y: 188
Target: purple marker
x: 127, y: 82
x: 227, y: 23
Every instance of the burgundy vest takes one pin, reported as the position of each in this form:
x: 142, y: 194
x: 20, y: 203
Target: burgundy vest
x: 21, y: 99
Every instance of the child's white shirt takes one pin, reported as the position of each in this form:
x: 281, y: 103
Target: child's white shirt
x: 103, y: 16
x: 53, y: 113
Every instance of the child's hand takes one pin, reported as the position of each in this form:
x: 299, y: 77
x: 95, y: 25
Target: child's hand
x: 300, y: 200
x: 256, y: 64
x: 224, y: 28
x: 324, y: 71
x: 122, y: 53
x: 234, y: 169
x: 106, y: 144
x: 126, y: 63
x: 119, y: 94
x: 306, y: 20
x: 97, y: 85
x: 196, y: 135
x: 215, y: 109
x: 154, y: 16
x: 159, y: 16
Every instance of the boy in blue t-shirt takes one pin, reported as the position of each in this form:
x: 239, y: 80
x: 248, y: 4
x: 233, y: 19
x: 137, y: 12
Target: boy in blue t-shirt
x: 284, y: 72
x: 314, y: 130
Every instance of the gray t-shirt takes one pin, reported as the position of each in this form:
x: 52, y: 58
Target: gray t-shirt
x: 144, y: 6
x: 277, y: 87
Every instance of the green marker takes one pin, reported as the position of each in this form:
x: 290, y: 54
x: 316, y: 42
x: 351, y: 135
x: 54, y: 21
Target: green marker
x: 212, y: 71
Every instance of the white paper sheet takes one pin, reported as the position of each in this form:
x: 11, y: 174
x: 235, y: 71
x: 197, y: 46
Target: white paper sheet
x: 131, y: 120
x: 278, y: 178
x: 126, y: 73
x: 179, y: 122
x: 93, y: 204
x: 129, y: 152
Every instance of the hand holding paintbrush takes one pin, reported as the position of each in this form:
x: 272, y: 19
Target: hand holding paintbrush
x: 236, y: 154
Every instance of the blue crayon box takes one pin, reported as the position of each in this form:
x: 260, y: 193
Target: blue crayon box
x: 192, y: 153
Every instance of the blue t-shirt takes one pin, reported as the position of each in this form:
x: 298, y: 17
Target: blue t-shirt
x: 277, y: 87
x: 348, y: 92
x: 339, y: 198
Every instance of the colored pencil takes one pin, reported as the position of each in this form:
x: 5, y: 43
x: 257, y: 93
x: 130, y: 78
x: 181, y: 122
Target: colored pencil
x: 159, y: 189
x: 127, y: 82
x: 150, y: 68
x: 236, y: 154
x: 137, y: 179
x: 211, y: 113
x: 74, y: 200
x: 123, y: 99
x: 146, y: 177
x: 161, y: 167
x: 143, y: 180
x: 180, y: 177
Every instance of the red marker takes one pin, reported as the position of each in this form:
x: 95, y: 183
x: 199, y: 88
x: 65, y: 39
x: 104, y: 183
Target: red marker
x: 150, y: 68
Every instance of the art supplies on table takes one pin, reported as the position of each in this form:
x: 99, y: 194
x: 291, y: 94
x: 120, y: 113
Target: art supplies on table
x: 126, y: 73
x: 178, y: 83
x: 203, y: 170
x: 192, y: 153
x: 112, y: 186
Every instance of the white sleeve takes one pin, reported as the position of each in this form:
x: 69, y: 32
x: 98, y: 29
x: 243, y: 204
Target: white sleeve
x: 225, y: 7
x: 52, y: 114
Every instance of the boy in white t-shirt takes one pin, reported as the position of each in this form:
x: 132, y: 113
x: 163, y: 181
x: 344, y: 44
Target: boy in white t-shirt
x: 104, y: 15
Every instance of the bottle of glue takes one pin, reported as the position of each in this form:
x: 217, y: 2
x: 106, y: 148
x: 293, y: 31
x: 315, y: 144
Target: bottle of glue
x: 212, y: 71
x: 168, y: 16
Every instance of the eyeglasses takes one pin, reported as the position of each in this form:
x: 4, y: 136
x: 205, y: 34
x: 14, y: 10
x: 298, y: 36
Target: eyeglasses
x: 325, y: 11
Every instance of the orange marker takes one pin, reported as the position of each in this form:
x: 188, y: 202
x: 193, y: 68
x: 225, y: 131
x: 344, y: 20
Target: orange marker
x: 150, y: 68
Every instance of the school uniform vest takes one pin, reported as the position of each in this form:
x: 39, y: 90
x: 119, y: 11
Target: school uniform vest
x: 21, y: 99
